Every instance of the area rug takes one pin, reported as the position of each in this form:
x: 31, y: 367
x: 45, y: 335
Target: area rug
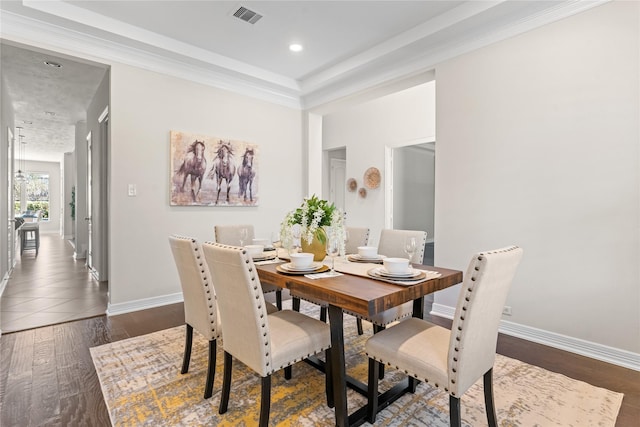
x: 142, y: 385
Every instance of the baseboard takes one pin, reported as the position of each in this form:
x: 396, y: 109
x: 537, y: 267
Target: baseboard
x: 143, y: 304
x: 593, y: 350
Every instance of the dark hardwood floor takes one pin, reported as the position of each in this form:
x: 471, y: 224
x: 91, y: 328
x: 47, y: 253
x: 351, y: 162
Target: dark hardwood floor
x: 47, y: 376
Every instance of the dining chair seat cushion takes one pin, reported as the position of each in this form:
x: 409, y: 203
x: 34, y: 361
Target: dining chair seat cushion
x: 295, y: 337
x: 416, y: 346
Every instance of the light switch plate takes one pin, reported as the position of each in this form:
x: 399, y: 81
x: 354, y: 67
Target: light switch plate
x: 132, y: 190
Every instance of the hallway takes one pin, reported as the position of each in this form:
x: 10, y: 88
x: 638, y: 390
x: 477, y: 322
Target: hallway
x: 50, y: 288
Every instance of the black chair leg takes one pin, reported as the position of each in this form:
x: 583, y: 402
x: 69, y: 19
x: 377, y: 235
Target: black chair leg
x: 287, y: 372
x: 372, y: 391
x: 359, y: 326
x: 279, y: 300
x: 323, y: 314
x: 488, y: 398
x: 328, y: 381
x: 454, y: 412
x: 377, y: 329
x: 265, y: 401
x: 226, y: 383
x: 188, y: 339
x: 295, y: 303
x: 211, y: 370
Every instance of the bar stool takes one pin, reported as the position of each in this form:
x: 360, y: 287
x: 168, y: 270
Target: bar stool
x: 30, y: 237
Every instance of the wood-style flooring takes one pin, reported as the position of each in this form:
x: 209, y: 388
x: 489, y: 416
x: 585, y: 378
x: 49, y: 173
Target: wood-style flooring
x: 47, y: 377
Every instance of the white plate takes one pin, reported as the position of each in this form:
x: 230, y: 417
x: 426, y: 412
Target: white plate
x: 358, y: 257
x: 289, y: 267
x: 381, y: 271
x: 264, y: 256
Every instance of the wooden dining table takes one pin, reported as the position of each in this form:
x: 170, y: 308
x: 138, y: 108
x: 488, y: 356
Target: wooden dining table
x: 361, y: 295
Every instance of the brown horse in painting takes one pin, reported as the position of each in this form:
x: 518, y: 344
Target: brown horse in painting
x: 246, y: 173
x: 193, y: 165
x: 223, y: 167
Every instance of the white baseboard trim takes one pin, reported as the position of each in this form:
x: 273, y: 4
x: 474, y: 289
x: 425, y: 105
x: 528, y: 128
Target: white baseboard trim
x: 143, y: 304
x: 593, y: 350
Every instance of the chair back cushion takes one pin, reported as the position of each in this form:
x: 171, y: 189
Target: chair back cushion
x: 357, y: 236
x: 241, y: 303
x: 200, y: 309
x: 474, y: 332
x: 230, y: 234
x: 392, y: 244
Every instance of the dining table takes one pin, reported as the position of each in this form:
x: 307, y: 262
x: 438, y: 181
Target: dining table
x: 361, y: 294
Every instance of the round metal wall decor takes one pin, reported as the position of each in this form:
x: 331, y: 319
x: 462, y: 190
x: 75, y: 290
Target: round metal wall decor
x: 372, y: 178
x: 362, y: 192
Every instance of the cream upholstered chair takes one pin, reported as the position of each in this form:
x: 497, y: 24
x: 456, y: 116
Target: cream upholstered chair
x: 357, y: 236
x: 264, y: 342
x: 452, y: 359
x: 229, y: 234
x: 392, y: 245
x: 200, y: 308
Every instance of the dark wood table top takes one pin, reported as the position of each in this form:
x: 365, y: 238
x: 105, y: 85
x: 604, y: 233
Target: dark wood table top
x: 358, y: 294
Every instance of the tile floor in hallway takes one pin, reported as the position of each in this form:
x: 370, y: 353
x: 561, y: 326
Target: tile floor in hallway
x: 50, y: 288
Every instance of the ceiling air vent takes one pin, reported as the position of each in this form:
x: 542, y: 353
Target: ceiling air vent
x: 247, y: 15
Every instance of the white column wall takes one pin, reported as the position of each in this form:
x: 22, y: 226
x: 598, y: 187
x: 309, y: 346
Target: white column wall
x: 537, y: 145
x: 365, y: 130
x: 145, y: 106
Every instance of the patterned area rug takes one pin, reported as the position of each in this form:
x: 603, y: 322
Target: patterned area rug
x: 142, y: 385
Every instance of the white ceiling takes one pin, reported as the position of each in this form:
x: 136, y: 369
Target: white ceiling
x: 350, y: 47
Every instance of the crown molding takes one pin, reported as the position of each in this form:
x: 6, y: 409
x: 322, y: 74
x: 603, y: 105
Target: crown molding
x: 401, y: 58
x: 29, y: 31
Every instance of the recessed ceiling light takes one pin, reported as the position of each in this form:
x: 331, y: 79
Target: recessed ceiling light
x: 295, y: 47
x: 52, y: 64
x: 50, y: 113
x: 27, y: 122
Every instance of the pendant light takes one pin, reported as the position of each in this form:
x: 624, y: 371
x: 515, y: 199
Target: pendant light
x: 20, y: 176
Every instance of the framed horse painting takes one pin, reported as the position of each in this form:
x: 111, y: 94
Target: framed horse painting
x: 212, y: 171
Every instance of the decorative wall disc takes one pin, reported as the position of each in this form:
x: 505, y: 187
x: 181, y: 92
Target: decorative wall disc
x: 352, y: 185
x: 372, y: 178
x: 362, y: 192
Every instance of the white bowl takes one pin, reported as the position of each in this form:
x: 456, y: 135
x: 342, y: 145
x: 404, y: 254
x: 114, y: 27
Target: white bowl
x: 254, y: 250
x: 301, y: 260
x: 396, y: 265
x: 263, y: 242
x: 368, y: 251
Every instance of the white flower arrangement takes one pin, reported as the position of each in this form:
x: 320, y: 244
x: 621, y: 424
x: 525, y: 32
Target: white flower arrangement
x: 314, y: 218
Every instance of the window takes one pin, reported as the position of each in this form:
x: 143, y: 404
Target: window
x: 33, y: 194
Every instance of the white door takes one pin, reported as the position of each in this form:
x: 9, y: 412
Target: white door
x: 337, y: 177
x: 10, y: 209
x: 89, y: 203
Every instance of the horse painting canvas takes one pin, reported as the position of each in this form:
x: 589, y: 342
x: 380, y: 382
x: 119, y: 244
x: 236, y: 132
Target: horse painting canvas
x: 213, y: 171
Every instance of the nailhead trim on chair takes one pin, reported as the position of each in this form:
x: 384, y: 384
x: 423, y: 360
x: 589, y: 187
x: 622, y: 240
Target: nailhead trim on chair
x: 194, y: 245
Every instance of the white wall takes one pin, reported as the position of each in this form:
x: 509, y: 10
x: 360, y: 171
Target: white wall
x: 537, y: 145
x: 145, y: 106
x: 53, y: 170
x: 6, y: 122
x: 365, y: 130
x: 69, y: 183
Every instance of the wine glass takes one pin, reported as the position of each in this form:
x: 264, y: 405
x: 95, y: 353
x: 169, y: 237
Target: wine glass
x: 333, y: 250
x: 410, y: 246
x: 244, y: 235
x: 296, y: 235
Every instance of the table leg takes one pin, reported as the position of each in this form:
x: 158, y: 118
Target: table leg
x: 338, y: 371
x: 418, y: 308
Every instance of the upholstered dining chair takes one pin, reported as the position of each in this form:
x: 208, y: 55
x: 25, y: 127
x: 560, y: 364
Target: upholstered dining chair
x: 200, y: 307
x: 356, y: 236
x: 451, y: 359
x: 230, y: 234
x: 391, y: 244
x: 264, y: 342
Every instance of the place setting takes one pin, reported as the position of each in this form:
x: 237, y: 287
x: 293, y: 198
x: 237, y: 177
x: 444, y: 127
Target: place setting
x: 398, y: 271
x: 366, y: 254
x: 260, y: 254
x: 301, y: 264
